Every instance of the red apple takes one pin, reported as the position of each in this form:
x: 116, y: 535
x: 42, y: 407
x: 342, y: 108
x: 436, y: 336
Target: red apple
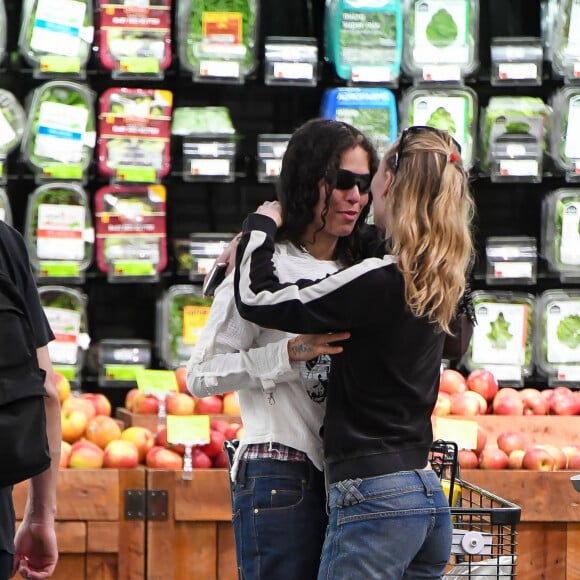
x: 443, y: 405
x: 233, y: 430
x: 161, y: 441
x: 180, y: 404
x: 564, y: 404
x: 100, y: 402
x: 452, y: 382
x: 73, y: 424
x: 467, y: 404
x: 141, y: 437
x: 162, y: 458
x: 80, y: 404
x: 508, y: 402
x: 557, y: 453
x: 215, y: 445
x: 86, y: 455
x: 212, y: 405
x: 483, y: 382
x: 573, y: 460
x: 62, y: 386
x: 538, y: 458
x: 509, y: 441
x: 467, y: 459
x: 220, y: 460
x: 200, y: 459
x: 145, y: 404
x: 493, y: 458
x: 231, y: 404
x: 65, y: 450
x: 181, y: 376
x: 534, y: 403
x: 219, y: 425
x: 120, y: 454
x: 481, y: 439
x: 130, y: 397
x: 516, y: 458
x: 101, y: 430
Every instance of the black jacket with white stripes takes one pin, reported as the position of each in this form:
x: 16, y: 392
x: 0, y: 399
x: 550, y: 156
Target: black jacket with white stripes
x: 383, y: 387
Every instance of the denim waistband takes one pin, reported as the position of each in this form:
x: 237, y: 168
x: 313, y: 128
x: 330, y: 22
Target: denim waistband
x: 272, y: 467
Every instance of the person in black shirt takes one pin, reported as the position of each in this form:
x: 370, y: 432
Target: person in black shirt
x: 33, y: 551
x: 389, y: 517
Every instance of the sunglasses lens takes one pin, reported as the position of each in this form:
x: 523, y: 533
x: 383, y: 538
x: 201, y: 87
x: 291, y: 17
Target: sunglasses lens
x: 347, y: 180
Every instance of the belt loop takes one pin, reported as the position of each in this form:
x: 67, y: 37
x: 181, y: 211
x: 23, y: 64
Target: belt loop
x: 242, y: 470
x: 424, y: 477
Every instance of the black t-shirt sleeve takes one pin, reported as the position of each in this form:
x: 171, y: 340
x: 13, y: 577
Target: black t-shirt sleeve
x: 14, y: 260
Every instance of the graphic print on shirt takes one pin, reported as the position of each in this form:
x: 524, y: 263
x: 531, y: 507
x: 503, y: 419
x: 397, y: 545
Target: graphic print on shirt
x: 315, y: 377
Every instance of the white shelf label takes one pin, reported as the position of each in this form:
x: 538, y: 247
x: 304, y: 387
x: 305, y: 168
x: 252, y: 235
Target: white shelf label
x: 512, y: 270
x: 293, y: 70
x: 210, y: 167
x: 442, y: 72
x: 517, y: 71
x: 569, y: 373
x: 273, y: 167
x: 219, y: 68
x: 371, y: 74
x: 518, y: 167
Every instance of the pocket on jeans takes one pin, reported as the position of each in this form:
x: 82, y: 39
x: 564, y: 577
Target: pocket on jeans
x: 278, y: 492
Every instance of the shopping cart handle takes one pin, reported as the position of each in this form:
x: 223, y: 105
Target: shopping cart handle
x: 575, y: 479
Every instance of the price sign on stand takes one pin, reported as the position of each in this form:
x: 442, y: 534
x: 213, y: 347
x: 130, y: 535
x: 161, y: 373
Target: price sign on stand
x: 188, y: 430
x: 462, y: 431
x: 160, y: 384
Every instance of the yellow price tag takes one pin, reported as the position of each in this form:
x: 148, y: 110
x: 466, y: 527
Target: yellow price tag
x: 153, y: 382
x: 188, y: 429
x: 462, y: 431
x: 194, y: 319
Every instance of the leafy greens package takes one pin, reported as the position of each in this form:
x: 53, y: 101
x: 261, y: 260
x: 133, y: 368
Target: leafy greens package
x: 181, y: 315
x: 218, y: 38
x: 131, y: 232
x: 59, y: 136
x: 56, y: 35
x: 503, y: 339
x: 561, y: 232
x: 12, y: 122
x: 134, y: 134
x: 5, y: 213
x: 558, y: 341
x: 59, y: 230
x: 373, y: 111
x: 565, y: 136
x: 441, y: 39
x: 565, y: 41
x: 364, y: 39
x: 450, y: 109
x: 135, y: 38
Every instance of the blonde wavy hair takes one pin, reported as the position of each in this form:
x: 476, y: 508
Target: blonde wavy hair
x: 431, y: 213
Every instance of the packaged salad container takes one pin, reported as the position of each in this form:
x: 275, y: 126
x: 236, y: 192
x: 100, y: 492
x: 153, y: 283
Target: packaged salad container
x: 135, y: 38
x: 5, y: 213
x: 561, y: 232
x: 558, y: 341
x: 441, y: 39
x: 134, y: 134
x: 217, y: 40
x: 565, y: 141
x: 120, y: 358
x: 59, y: 136
x: 59, y: 231
x: 503, y: 339
x: 56, y: 35
x: 364, y: 39
x: 130, y: 223
x: 182, y: 312
x: 565, y: 40
x: 204, y: 249
x: 371, y: 110
x: 12, y: 122
x: 449, y: 109
x: 66, y: 310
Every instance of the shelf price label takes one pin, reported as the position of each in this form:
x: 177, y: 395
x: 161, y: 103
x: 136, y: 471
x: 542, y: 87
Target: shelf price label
x: 188, y: 429
x: 462, y: 431
x: 156, y: 382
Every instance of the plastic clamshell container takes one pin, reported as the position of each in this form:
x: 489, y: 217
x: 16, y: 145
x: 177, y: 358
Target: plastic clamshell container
x: 66, y: 311
x: 216, y: 43
x: 58, y: 230
x: 565, y: 141
x: 271, y: 149
x: 561, y: 232
x: 503, y: 339
x: 12, y: 122
x: 364, y: 39
x: 119, y: 359
x: 134, y: 134
x: 511, y: 260
x: 449, y: 109
x: 5, y: 213
x: 441, y: 39
x: 130, y: 223
x: 565, y: 40
x: 372, y: 110
x: 558, y: 335
x: 135, y: 38
x: 57, y: 35
x: 202, y: 121
x: 204, y: 249
x: 59, y: 136
x: 181, y: 315
x: 291, y: 60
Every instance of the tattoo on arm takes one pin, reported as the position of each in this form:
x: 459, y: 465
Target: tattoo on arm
x: 300, y: 348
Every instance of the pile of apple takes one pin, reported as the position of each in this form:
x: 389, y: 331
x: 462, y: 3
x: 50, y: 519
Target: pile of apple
x: 479, y: 394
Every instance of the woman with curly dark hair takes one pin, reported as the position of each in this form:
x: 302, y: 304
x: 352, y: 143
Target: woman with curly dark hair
x: 279, y: 493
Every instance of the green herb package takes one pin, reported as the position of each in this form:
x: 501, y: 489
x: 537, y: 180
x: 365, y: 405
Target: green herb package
x: 558, y: 341
x: 56, y: 35
x: 565, y: 133
x: 371, y: 110
x: 59, y: 230
x: 561, y: 232
x: 182, y: 312
x: 364, y: 39
x: 450, y: 109
x: 5, y: 213
x: 441, y: 39
x: 218, y: 38
x: 130, y: 223
x: 66, y: 310
x: 202, y: 121
x: 135, y: 38
x: 565, y: 41
x: 503, y: 339
x: 12, y: 121
x: 59, y: 136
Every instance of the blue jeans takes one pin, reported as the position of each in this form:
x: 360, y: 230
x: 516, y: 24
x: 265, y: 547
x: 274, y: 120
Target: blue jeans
x: 391, y: 527
x: 279, y: 517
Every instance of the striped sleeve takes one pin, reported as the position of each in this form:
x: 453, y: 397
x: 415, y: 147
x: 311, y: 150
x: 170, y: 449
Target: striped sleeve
x: 342, y: 301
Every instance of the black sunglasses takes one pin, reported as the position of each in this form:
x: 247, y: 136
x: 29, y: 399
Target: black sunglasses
x: 418, y: 129
x: 346, y: 179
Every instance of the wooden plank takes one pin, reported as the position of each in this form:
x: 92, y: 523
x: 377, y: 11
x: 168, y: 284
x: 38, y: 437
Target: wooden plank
x: 544, y: 496
x: 541, y: 551
x: 102, y: 567
x: 71, y: 566
x: 206, y: 497
x: 102, y: 537
x: 137, y: 419
x: 227, y: 563
x: 573, y: 551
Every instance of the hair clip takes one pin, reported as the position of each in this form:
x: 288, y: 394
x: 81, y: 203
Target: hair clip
x: 453, y: 157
